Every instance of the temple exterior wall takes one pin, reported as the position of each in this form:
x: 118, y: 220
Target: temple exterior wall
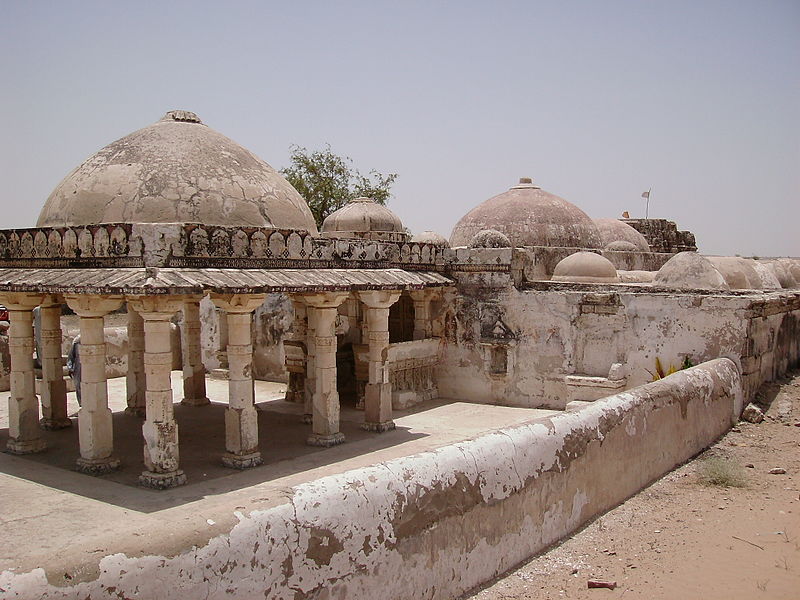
x: 438, y: 523
x: 517, y: 347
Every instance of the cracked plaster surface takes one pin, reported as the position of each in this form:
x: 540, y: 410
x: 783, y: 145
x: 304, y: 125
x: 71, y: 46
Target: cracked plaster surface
x: 193, y: 175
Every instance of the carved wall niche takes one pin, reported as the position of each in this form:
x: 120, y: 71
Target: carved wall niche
x: 258, y: 245
x: 69, y: 245
x: 26, y: 244
x: 294, y: 244
x: 240, y: 244
x: 86, y: 243
x: 277, y: 246
x: 102, y: 242
x: 40, y: 249
x: 198, y: 242
x: 118, y: 242
x: 54, y: 244
x: 220, y: 243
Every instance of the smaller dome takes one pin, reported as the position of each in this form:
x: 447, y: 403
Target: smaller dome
x: 614, y: 230
x: 431, y: 237
x: 364, y: 218
x: 739, y: 273
x: 585, y: 267
x: 782, y: 272
x: 621, y: 246
x: 636, y: 276
x: 690, y: 271
x: 769, y: 280
x: 490, y: 238
x: 792, y: 266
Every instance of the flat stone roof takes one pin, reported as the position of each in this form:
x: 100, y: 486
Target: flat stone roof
x: 154, y: 280
x: 65, y: 522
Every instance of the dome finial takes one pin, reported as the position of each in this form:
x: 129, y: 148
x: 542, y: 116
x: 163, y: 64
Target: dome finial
x: 525, y: 183
x: 183, y: 116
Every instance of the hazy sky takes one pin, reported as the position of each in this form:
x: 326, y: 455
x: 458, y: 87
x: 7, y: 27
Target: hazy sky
x: 597, y: 101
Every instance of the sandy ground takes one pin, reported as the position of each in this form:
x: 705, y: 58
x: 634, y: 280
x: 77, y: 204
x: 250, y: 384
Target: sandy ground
x: 681, y: 539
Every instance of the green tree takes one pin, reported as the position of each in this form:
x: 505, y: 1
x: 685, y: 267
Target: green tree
x: 328, y: 181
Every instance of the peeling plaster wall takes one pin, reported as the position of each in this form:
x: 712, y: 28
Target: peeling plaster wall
x: 436, y: 524
x: 555, y: 333
x: 271, y: 323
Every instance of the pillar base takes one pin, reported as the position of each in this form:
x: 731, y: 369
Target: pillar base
x: 54, y: 424
x: 325, y: 441
x: 195, y: 401
x: 378, y: 427
x: 136, y: 411
x: 162, y: 481
x: 243, y: 461
x: 26, y: 447
x: 307, y: 419
x: 97, y: 466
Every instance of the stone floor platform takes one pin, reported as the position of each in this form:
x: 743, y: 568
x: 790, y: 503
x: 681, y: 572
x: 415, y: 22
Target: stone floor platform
x: 63, y: 521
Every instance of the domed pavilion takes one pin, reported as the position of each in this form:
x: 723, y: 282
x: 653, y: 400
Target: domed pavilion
x: 158, y: 220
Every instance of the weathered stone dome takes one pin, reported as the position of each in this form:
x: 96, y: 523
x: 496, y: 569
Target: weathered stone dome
x: 621, y: 246
x: 176, y: 170
x: 690, y: 271
x: 782, y: 271
x: 739, y: 273
x: 636, y: 276
x: 614, y: 230
x: 364, y: 218
x: 529, y: 216
x: 585, y: 267
x: 431, y: 237
x: 490, y: 238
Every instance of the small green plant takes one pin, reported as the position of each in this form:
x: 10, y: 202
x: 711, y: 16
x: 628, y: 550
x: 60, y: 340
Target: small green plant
x: 720, y: 472
x: 660, y: 372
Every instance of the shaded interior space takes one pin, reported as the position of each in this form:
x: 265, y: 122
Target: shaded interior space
x: 346, y: 384
x: 61, y: 515
x: 282, y: 440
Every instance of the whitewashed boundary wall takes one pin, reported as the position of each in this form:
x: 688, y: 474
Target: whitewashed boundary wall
x: 433, y: 525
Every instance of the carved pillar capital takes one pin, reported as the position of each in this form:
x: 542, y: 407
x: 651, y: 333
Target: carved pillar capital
x: 379, y: 298
x: 87, y: 305
x: 238, y: 303
x: 156, y: 308
x: 325, y: 299
x: 21, y: 300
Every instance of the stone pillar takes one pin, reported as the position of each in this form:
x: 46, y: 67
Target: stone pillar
x: 241, y: 417
x: 54, y: 388
x: 378, y: 401
x: 311, y: 366
x: 194, y: 372
x: 325, y: 405
x: 23, y: 405
x: 95, y: 425
x: 135, y: 384
x: 422, y: 317
x: 160, y: 431
x: 295, y: 354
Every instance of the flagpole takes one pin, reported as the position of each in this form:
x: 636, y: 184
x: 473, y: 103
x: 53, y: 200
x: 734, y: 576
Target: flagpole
x: 647, y: 206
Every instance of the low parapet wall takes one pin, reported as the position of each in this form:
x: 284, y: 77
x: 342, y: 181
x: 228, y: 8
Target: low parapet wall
x: 436, y: 524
